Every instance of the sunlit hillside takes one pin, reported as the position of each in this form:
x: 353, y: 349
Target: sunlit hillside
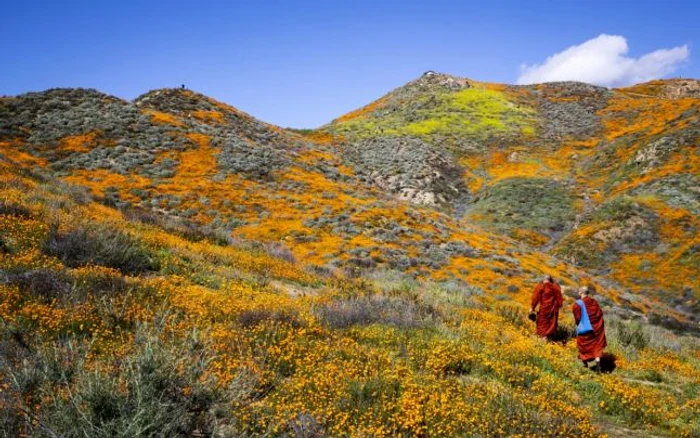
x: 606, y: 179
x: 172, y: 266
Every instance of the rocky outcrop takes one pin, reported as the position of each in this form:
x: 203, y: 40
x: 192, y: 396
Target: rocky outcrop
x: 681, y: 88
x: 431, y: 79
x: 569, y: 109
x: 410, y: 169
x: 654, y: 153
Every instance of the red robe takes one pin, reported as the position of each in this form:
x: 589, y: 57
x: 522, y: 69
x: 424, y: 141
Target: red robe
x: 591, y: 345
x: 548, y: 296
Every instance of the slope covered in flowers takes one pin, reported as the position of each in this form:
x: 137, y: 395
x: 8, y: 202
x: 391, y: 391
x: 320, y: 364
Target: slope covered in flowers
x: 173, y: 266
x: 201, y: 163
x: 176, y: 332
x: 604, y: 178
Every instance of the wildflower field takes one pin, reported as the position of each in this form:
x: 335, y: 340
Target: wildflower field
x: 155, y: 332
x: 173, y: 267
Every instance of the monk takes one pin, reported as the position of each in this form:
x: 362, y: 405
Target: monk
x: 591, y: 344
x: 547, y: 295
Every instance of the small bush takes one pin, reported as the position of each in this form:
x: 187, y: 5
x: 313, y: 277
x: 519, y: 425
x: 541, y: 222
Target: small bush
x: 395, y: 311
x: 10, y: 209
x: 320, y: 271
x: 665, y: 340
x: 454, y: 293
x: 198, y: 233
x: 251, y: 318
x: 631, y: 334
x: 143, y: 216
x: 511, y: 313
x: 652, y: 376
x: 280, y: 250
x: 100, y: 245
x: 46, y: 284
x: 393, y: 282
x: 78, y: 194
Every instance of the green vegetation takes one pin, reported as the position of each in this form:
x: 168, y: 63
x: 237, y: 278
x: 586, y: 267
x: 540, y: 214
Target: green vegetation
x: 472, y: 113
x: 162, y: 389
x: 539, y: 205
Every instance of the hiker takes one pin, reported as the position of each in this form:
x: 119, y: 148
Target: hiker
x: 547, y: 295
x: 590, y: 329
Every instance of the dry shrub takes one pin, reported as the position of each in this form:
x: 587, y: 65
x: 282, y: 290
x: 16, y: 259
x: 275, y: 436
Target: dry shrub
x: 378, y: 309
x: 100, y: 245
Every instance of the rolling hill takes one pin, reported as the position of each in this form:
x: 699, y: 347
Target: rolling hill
x: 173, y: 266
x: 605, y: 179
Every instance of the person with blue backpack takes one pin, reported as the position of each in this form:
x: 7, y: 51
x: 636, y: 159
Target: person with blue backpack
x: 590, y: 329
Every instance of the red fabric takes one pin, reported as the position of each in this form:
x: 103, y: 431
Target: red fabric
x: 591, y: 345
x: 548, y: 297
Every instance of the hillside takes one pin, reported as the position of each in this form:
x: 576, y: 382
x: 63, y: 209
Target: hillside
x: 175, y: 266
x: 606, y: 179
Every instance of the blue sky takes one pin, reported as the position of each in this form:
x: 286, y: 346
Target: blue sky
x: 303, y: 63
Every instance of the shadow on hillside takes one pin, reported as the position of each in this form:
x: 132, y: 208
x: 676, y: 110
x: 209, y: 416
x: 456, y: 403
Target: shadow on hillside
x: 607, y: 363
x: 562, y: 335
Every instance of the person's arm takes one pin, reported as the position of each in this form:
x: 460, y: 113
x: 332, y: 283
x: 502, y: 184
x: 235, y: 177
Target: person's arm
x: 536, y: 297
x: 577, y: 313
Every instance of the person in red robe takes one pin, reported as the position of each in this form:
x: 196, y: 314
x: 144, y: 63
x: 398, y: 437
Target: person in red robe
x: 547, y: 295
x: 590, y: 345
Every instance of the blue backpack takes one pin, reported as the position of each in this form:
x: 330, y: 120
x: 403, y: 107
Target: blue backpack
x: 584, y: 326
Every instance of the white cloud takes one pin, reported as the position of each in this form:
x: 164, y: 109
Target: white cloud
x: 603, y: 61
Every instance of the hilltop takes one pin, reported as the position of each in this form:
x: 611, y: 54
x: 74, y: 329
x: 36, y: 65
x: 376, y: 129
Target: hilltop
x: 383, y: 262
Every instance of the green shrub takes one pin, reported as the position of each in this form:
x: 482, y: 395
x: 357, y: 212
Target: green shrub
x: 535, y: 204
x: 631, y: 334
x: 511, y: 313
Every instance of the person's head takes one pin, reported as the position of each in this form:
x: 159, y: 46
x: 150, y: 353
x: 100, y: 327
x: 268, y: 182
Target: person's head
x: 548, y: 279
x: 583, y: 291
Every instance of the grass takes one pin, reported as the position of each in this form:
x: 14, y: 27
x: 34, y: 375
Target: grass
x: 630, y: 334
